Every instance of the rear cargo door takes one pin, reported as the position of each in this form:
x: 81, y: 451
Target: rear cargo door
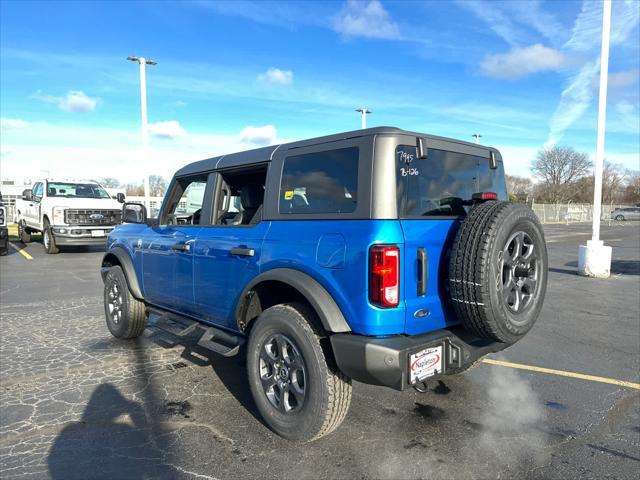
x: 433, y: 197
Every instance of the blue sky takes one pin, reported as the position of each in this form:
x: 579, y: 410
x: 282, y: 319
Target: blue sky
x: 234, y: 75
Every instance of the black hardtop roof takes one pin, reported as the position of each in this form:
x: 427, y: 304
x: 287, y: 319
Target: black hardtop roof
x: 265, y: 154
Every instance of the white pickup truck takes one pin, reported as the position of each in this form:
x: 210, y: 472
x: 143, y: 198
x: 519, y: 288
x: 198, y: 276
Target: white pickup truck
x: 67, y: 213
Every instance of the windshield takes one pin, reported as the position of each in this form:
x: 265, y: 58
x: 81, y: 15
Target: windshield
x: 76, y: 190
x: 443, y: 183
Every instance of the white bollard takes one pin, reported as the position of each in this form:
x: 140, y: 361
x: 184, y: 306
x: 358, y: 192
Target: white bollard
x: 594, y: 259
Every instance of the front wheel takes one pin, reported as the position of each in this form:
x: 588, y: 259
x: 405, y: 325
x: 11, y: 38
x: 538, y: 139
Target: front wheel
x: 299, y: 392
x: 23, y: 234
x: 619, y: 218
x: 126, y: 316
x: 48, y: 240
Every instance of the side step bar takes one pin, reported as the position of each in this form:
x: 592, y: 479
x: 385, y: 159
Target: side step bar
x: 224, y: 343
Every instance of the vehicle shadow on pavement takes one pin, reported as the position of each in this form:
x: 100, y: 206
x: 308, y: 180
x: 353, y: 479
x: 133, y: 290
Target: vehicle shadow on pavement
x: 112, y: 440
x: 232, y: 371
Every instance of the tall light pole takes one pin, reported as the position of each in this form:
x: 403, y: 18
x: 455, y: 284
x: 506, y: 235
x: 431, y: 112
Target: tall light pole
x: 594, y: 258
x: 143, y: 62
x: 364, y: 113
x: 477, y: 137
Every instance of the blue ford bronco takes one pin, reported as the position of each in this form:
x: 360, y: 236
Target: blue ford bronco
x: 379, y: 255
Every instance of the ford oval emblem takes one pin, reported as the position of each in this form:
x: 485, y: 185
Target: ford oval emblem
x: 96, y: 216
x: 423, y: 312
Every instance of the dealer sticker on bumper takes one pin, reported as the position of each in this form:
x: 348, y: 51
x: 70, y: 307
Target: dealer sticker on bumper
x: 425, y: 363
x: 97, y: 233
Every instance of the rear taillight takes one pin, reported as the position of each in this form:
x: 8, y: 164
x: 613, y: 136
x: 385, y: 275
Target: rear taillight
x: 384, y: 275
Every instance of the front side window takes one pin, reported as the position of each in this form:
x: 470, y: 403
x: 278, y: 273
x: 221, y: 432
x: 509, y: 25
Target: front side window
x: 442, y: 184
x: 37, y: 191
x: 320, y: 182
x: 185, y: 207
x: 76, y: 190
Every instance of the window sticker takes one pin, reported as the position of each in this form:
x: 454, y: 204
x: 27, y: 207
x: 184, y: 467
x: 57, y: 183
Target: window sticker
x: 288, y: 195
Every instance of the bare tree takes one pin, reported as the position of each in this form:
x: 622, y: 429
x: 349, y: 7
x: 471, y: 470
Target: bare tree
x: 558, y: 170
x: 157, y: 185
x: 134, y: 190
x: 110, y: 182
x: 519, y: 185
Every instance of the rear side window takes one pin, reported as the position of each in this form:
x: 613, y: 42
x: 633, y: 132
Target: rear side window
x: 442, y: 184
x: 320, y: 182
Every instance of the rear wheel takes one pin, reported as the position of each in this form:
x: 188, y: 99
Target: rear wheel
x: 619, y: 218
x: 498, y: 271
x: 297, y: 388
x: 126, y: 316
x: 48, y: 240
x: 23, y: 233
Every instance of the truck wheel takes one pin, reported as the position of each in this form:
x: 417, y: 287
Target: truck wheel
x: 48, y: 240
x: 299, y: 392
x: 126, y: 316
x: 498, y: 271
x: 23, y: 234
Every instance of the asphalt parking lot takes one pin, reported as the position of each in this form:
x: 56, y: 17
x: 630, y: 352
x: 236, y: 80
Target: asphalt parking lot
x: 77, y: 403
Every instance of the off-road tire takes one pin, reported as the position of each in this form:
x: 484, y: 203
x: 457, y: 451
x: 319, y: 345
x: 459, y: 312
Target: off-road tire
x: 328, y: 391
x: 48, y: 239
x: 479, y: 259
x: 23, y: 233
x: 133, y: 319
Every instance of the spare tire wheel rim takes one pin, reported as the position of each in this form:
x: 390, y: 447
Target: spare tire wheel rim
x: 115, y: 302
x: 282, y: 373
x: 518, y: 268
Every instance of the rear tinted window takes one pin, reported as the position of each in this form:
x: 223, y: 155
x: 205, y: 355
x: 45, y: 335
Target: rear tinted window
x: 321, y: 182
x: 442, y: 184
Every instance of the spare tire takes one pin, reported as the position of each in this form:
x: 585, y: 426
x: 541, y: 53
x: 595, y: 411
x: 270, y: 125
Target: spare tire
x: 498, y: 271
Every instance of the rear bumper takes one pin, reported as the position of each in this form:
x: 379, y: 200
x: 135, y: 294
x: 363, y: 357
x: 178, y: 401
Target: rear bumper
x: 385, y: 361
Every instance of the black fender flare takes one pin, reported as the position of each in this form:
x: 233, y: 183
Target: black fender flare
x: 127, y: 268
x: 325, y: 306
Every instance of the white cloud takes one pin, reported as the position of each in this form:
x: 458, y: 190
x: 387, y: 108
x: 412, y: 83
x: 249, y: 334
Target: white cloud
x: 277, y: 76
x: 12, y: 124
x: 574, y: 101
x: 166, y: 130
x: 180, y: 103
x: 74, y: 101
x: 520, y: 62
x: 496, y: 19
x: 265, y: 135
x: 587, y: 29
x: 623, y: 79
x: 366, y: 19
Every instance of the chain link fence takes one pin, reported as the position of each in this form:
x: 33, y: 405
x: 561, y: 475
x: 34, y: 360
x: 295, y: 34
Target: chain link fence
x: 572, y: 212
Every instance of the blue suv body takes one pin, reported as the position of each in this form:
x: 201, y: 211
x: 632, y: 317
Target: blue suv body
x: 337, y: 250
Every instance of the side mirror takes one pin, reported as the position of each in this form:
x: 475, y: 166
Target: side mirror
x: 27, y: 195
x: 120, y: 197
x: 134, y: 213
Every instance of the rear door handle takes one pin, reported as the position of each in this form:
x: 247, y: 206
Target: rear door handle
x: 181, y: 247
x: 246, y: 252
x: 422, y: 271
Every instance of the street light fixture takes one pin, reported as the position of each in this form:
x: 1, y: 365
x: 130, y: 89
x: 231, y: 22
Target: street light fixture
x: 477, y: 136
x: 143, y: 62
x: 364, y: 113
